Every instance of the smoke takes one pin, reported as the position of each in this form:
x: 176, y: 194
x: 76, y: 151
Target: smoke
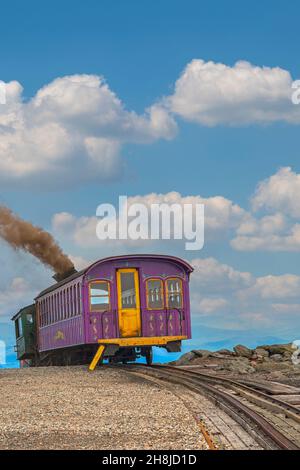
x: 25, y: 236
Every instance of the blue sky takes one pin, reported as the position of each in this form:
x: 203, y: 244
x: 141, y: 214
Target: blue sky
x: 142, y: 49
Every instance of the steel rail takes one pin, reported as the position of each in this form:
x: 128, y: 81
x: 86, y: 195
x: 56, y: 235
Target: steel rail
x: 291, y: 410
x: 194, y: 381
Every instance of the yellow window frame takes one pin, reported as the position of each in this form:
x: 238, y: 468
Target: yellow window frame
x: 167, y: 290
x: 99, y: 281
x: 162, y: 292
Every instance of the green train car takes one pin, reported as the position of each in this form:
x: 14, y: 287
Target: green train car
x: 25, y: 327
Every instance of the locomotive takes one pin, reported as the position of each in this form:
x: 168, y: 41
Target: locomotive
x: 117, y: 309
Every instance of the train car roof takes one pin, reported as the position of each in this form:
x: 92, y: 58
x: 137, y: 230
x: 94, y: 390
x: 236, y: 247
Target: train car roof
x: 173, y: 259
x: 30, y: 308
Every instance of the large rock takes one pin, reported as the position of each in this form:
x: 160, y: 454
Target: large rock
x: 278, y: 349
x: 277, y: 357
x: 202, y: 352
x: 243, y: 351
x: 225, y: 352
x: 239, y: 365
x: 185, y: 358
x: 261, y: 352
x: 287, y: 356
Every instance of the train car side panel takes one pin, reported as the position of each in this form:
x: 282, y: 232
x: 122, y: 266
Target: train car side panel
x: 60, y: 317
x: 62, y: 334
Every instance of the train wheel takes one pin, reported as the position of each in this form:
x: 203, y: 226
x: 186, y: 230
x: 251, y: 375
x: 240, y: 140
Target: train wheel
x: 149, y: 356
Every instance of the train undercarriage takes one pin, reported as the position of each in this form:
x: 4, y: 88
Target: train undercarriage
x: 85, y: 354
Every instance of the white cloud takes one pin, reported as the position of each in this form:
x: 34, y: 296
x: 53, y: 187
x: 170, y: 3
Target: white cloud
x: 210, y: 305
x: 286, y: 308
x: 275, y: 231
x: 74, y: 128
x: 269, y: 242
x: 221, y: 215
x: 71, y: 131
x: 279, y: 192
x: 229, y: 298
x: 278, y: 196
x: 210, y: 273
x: 274, y: 287
x: 269, y: 224
x: 212, y: 93
x: 15, y: 295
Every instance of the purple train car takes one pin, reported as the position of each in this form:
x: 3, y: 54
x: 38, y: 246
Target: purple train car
x: 117, y: 308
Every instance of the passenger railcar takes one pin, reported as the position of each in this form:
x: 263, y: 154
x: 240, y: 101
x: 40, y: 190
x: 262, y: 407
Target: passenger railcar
x: 118, y: 307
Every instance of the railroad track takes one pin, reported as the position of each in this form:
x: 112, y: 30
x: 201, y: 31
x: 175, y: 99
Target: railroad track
x: 273, y: 423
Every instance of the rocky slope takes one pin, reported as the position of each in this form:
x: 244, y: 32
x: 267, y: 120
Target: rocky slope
x: 276, y: 362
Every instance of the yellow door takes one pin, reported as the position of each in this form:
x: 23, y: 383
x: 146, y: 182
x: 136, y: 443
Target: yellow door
x: 129, y: 303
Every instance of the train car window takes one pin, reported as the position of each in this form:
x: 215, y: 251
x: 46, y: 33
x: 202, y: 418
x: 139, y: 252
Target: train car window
x: 47, y: 312
x: 64, y: 304
x: 174, y: 293
x: 155, y: 296
x: 70, y: 302
x: 78, y: 299
x: 128, y: 291
x: 42, y: 312
x: 67, y: 302
x: 57, y: 306
x: 99, y: 296
x: 75, y: 300
x: 29, y: 318
x: 60, y: 315
x: 54, y: 308
x: 60, y: 306
x: 19, y: 327
x: 51, y: 310
x: 74, y: 303
x: 71, y: 295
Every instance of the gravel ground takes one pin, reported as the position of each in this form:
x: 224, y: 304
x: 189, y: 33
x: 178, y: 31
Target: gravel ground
x: 70, y: 408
